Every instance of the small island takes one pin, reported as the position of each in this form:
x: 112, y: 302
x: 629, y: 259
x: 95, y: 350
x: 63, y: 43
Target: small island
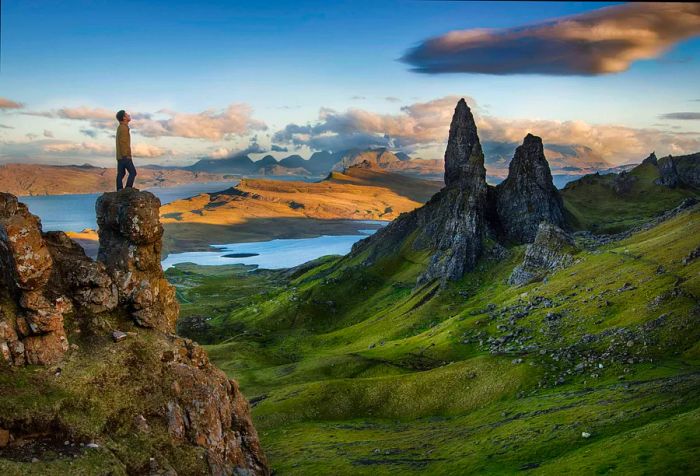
x: 240, y: 255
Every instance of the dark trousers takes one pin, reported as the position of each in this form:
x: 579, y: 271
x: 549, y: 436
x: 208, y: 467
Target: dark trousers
x: 125, y: 165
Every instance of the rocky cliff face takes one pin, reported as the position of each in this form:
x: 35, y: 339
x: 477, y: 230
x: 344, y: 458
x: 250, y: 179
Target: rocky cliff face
x: 681, y: 171
x: 552, y: 249
x: 58, y: 306
x: 457, y: 222
x: 527, y: 196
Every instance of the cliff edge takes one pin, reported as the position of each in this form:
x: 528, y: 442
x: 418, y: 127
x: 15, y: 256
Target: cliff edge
x: 92, y: 376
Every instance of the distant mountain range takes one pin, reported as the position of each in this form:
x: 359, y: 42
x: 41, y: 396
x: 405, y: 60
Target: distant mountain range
x: 321, y: 164
x: 36, y: 179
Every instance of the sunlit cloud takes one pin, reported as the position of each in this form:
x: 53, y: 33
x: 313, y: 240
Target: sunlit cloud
x: 63, y: 147
x: 603, y: 41
x: 9, y: 104
x: 233, y: 121
x: 421, y: 126
x: 142, y: 149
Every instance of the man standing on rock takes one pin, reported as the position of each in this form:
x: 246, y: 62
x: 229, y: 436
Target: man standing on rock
x: 124, y: 162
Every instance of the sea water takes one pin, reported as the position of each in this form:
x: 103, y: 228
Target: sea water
x: 75, y: 212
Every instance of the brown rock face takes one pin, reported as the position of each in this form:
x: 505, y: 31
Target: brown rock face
x: 209, y: 410
x: 81, y: 278
x: 130, y: 245
x: 35, y: 333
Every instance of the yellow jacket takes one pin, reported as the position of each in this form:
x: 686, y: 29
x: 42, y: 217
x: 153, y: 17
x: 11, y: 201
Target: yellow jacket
x: 123, y: 141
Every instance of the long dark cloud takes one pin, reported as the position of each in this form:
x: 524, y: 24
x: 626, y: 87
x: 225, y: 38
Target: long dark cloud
x: 603, y: 41
x: 683, y: 116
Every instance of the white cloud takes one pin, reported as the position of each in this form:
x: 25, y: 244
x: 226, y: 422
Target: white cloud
x: 91, y: 147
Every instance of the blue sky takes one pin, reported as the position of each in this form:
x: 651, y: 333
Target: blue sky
x: 286, y: 61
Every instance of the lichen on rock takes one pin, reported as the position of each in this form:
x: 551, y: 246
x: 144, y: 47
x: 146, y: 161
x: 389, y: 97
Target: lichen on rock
x: 130, y: 248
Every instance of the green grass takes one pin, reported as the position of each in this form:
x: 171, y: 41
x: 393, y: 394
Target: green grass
x: 354, y: 371
x: 592, y: 203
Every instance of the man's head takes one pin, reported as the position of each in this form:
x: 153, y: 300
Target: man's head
x: 123, y: 117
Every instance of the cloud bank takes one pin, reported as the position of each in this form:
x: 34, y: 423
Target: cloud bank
x: 425, y: 125
x: 603, y: 41
x: 234, y: 121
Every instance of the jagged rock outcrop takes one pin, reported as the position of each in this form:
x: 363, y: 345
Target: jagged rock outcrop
x: 34, y: 334
x: 82, y: 279
x: 452, y: 224
x: 552, y: 249
x: 464, y: 159
x: 624, y: 183
x: 651, y: 160
x: 679, y: 171
x: 51, y: 293
x: 130, y: 247
x: 208, y: 410
x: 528, y: 195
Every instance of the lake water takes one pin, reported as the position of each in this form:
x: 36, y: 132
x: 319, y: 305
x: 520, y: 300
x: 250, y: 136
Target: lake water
x: 274, y: 254
x: 77, y: 212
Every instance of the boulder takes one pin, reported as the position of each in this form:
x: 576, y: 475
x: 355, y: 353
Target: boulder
x: 528, y: 196
x: 26, y: 261
x: 130, y: 248
x: 553, y: 248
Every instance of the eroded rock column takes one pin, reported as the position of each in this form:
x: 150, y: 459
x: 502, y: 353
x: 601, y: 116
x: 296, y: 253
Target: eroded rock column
x: 130, y: 246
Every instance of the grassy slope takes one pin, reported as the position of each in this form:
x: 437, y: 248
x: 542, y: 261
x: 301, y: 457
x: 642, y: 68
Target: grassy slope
x: 593, y: 204
x: 357, y: 373
x: 92, y: 397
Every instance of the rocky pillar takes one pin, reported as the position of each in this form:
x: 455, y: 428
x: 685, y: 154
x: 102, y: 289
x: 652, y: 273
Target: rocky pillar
x: 130, y: 245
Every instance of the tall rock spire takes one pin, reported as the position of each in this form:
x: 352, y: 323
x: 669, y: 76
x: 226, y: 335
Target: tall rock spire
x: 464, y: 159
x: 528, y: 196
x: 452, y: 225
